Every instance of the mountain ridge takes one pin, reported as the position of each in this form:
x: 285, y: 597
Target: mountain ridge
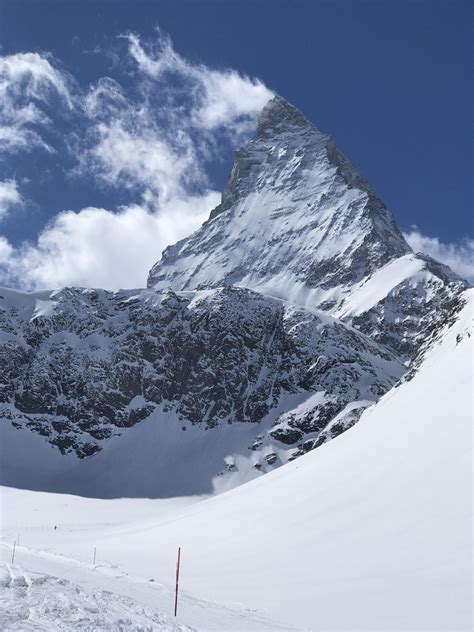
x: 297, y: 221
x: 274, y: 326
x: 81, y: 366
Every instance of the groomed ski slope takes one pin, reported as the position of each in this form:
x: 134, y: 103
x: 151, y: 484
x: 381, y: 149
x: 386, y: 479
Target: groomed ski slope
x: 372, y: 531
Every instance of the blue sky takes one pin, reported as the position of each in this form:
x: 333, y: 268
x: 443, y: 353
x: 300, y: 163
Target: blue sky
x: 119, y: 120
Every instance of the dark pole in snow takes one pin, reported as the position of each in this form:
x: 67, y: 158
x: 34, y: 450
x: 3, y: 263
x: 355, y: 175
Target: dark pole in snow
x: 13, y: 552
x: 177, y: 582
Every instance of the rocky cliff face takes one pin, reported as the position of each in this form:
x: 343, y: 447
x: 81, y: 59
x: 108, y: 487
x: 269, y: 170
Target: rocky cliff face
x: 80, y: 365
x: 298, y: 222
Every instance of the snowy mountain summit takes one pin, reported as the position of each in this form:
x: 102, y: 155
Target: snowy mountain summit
x: 295, y: 210
x: 297, y: 221
x: 294, y: 307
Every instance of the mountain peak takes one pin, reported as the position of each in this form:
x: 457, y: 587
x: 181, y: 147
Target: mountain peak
x: 280, y: 116
x: 298, y: 222
x: 293, y: 207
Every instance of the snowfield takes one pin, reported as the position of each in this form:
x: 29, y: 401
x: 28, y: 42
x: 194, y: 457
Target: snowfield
x: 371, y: 531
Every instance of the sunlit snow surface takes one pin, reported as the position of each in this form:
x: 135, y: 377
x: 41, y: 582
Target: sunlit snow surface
x: 372, y: 531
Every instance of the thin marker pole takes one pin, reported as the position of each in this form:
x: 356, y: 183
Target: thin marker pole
x: 18, y: 539
x: 13, y: 552
x: 177, y: 582
x: 95, y: 550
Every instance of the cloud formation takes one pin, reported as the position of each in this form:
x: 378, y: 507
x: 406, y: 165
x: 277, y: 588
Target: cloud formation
x: 10, y: 197
x: 28, y: 81
x: 152, y: 138
x: 135, y: 144
x: 459, y: 256
x: 113, y: 250
x: 221, y: 98
x: 160, y: 138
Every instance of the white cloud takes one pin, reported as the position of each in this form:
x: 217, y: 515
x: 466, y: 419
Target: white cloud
x: 6, y: 250
x: 105, y: 98
x: 152, y: 136
x: 98, y: 248
x: 221, y: 98
x: 7, y: 258
x: 231, y: 98
x: 27, y: 82
x: 131, y: 150
x: 164, y: 59
x: 9, y: 197
x: 459, y: 256
x: 159, y: 138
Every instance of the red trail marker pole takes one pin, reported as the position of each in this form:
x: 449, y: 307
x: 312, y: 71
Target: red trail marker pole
x: 177, y: 582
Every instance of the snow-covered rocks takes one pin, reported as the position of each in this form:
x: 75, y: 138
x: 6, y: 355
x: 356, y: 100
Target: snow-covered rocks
x: 379, y: 520
x: 298, y: 222
x: 82, y: 365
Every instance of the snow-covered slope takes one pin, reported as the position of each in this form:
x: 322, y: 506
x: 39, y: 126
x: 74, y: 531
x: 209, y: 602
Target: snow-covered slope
x: 82, y: 368
x: 373, y: 531
x: 298, y: 222
x: 290, y: 192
